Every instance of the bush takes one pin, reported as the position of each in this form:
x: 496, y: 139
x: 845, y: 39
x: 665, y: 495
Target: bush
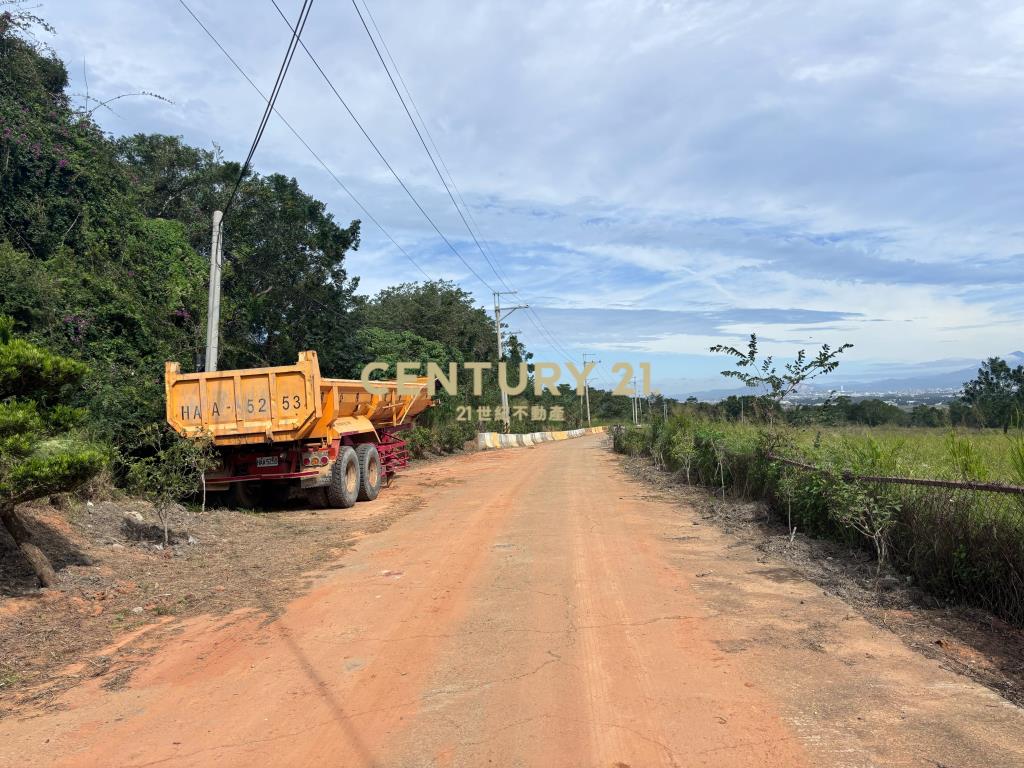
x: 172, y: 469
x: 632, y: 440
x: 41, y: 451
x: 418, y: 441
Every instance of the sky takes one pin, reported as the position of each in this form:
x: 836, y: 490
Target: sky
x: 653, y: 177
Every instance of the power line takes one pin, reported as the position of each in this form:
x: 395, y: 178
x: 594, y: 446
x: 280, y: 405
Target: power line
x: 534, y: 317
x: 419, y: 135
x: 491, y: 260
x: 304, y: 143
x: 380, y: 154
x: 282, y: 72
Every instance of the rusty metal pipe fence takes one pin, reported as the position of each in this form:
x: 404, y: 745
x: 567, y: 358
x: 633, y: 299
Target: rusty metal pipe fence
x: 960, y: 540
x: 966, y: 485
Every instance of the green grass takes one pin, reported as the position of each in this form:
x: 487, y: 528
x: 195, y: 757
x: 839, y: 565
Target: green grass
x: 918, y: 452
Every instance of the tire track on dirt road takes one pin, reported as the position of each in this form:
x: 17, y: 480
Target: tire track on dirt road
x: 538, y: 608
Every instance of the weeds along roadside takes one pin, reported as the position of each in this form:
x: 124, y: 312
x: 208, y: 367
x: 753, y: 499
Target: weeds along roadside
x: 961, y: 545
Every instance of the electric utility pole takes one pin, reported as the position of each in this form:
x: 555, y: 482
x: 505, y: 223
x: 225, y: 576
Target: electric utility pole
x: 586, y: 383
x: 213, y: 303
x: 632, y: 402
x: 637, y: 411
x: 498, y: 309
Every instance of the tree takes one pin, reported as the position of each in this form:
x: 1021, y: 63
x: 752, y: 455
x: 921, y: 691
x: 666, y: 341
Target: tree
x: 40, y: 451
x: 996, y: 394
x: 60, y: 183
x: 285, y: 288
x: 762, y: 374
x: 438, y: 310
x: 175, y: 181
x: 748, y: 407
x: 928, y: 416
x: 875, y: 412
x: 393, y: 347
x: 171, y: 468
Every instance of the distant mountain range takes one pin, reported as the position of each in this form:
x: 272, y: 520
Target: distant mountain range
x: 919, y: 377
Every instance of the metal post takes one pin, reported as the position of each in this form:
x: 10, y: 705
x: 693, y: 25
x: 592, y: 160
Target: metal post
x: 213, y: 304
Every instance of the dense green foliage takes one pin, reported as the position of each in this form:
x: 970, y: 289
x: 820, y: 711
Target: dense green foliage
x: 104, y: 258
x: 41, y: 451
x: 996, y: 395
x: 437, y: 310
x: 962, y: 545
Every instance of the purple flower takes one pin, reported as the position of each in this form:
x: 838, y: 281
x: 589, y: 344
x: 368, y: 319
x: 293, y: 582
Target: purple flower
x: 62, y: 163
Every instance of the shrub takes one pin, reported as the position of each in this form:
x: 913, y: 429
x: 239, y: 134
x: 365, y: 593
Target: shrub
x: 172, y: 469
x: 418, y: 441
x: 41, y: 451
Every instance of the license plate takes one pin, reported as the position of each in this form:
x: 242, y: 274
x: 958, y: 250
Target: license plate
x: 267, y: 461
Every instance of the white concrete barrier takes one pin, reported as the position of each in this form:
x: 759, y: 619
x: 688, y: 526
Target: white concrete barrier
x: 489, y: 440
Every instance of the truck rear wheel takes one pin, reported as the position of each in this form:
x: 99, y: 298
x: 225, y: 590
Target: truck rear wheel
x: 344, y: 488
x: 370, y: 473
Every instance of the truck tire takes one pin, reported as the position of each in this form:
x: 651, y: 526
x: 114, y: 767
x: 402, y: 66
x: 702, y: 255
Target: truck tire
x: 370, y: 472
x: 344, y: 488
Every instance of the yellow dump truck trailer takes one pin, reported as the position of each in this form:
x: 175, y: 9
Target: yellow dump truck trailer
x: 288, y: 431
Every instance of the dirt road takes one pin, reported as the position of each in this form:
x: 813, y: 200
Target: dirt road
x: 539, y: 608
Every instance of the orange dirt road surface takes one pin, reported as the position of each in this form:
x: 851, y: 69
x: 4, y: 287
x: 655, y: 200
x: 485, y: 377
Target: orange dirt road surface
x: 538, y: 608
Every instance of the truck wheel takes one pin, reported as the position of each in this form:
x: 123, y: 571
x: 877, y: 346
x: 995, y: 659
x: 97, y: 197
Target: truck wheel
x: 344, y: 488
x: 370, y: 473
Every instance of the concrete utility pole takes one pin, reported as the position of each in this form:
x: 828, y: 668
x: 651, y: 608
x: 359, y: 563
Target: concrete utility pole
x: 637, y: 410
x: 498, y: 309
x: 586, y: 384
x: 632, y: 402
x: 213, y: 305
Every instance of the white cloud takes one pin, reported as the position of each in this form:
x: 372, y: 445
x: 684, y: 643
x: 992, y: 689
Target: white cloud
x: 709, y: 154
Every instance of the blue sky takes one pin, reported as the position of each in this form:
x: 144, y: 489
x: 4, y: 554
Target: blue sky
x: 654, y: 177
